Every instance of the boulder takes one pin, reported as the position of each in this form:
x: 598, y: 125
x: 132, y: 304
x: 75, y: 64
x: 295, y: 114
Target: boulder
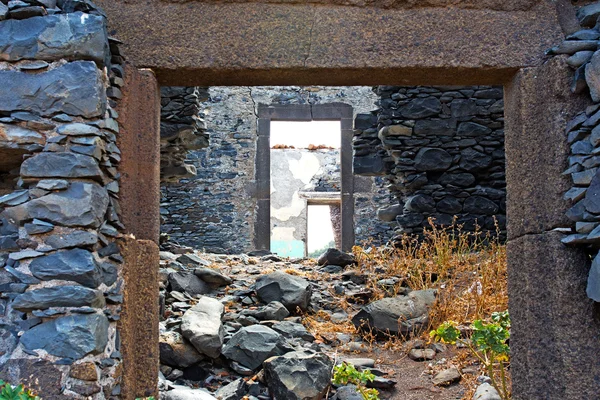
x: 202, y: 326
x: 252, y: 345
x: 299, y: 375
x: 212, y: 276
x: 75, y: 265
x: 176, y: 351
x: 72, y: 336
x: 59, y: 296
x: 336, y: 257
x: 291, y: 291
x: 397, y: 315
x: 187, y: 282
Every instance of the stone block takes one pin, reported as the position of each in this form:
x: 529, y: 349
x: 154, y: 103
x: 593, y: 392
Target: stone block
x: 75, y: 88
x: 60, y: 165
x: 58, y: 296
x: 75, y: 265
x: 75, y: 36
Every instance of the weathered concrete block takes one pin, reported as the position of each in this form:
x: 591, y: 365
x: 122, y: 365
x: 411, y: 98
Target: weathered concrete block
x: 75, y: 36
x: 555, y: 336
x: 75, y: 88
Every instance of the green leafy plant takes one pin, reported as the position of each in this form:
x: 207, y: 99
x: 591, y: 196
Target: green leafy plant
x: 345, y: 373
x: 145, y: 398
x: 488, y: 342
x: 19, y: 392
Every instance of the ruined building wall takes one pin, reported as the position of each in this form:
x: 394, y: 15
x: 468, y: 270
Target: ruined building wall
x: 215, y: 210
x: 442, y: 151
x: 60, y: 266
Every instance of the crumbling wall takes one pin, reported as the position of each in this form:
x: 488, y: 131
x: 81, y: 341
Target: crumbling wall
x: 60, y: 266
x: 215, y: 210
x: 442, y: 151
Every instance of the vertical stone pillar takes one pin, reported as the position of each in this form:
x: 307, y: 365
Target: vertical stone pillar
x: 139, y: 142
x: 555, y: 338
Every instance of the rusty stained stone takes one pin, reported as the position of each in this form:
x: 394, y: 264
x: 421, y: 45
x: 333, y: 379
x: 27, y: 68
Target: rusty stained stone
x: 302, y: 44
x: 85, y: 371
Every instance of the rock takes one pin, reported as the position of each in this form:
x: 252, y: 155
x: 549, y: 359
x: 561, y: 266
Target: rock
x: 592, y: 196
x: 299, y: 375
x: 336, y: 257
x: 472, y: 129
x: 449, y: 205
x: 460, y: 179
x: 593, y: 283
x: 8, y: 342
x: 85, y: 371
x: 212, y: 276
x: 293, y: 330
x: 82, y: 204
x: 420, y: 203
x: 480, y: 205
x: 53, y: 184
x: 370, y: 165
x: 72, y: 239
x: 485, y: 391
x: 421, y: 354
x: 592, y: 76
x: 73, y: 336
x: 73, y: 36
x: 397, y: 315
x: 274, y: 311
x: 60, y: 165
x: 389, y: 214
x: 291, y: 291
x: 431, y: 159
x: 176, y: 351
x: 75, y: 265
x: 579, y: 58
x: 435, y: 127
x: 202, y: 326
x: 252, y: 345
x: 421, y: 108
x: 348, y: 392
x: 472, y: 160
x: 186, y: 393
x: 446, y: 377
x: 360, y: 362
x: 3, y: 11
x: 395, y: 130
x: 74, y: 88
x: 59, y: 296
x: 192, y: 259
x: 187, y: 282
x: 232, y: 391
x: 463, y: 108
x: 588, y: 15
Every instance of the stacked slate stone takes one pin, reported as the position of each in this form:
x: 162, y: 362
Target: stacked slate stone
x: 60, y: 290
x: 182, y: 129
x: 442, y: 150
x: 583, y: 134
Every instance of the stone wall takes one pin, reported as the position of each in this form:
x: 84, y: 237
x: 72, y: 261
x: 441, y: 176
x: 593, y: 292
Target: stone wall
x: 215, y: 210
x: 61, y: 269
x: 442, y: 151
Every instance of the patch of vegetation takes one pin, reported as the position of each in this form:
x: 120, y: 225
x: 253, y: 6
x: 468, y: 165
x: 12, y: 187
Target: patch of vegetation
x: 345, y: 374
x: 19, y: 392
x: 488, y: 343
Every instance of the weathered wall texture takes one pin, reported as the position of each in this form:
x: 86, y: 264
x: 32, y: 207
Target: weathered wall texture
x: 442, y: 151
x: 61, y: 270
x: 216, y: 210
x: 295, y: 176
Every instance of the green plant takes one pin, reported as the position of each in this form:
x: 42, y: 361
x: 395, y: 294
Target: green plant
x: 145, y: 398
x: 9, y: 392
x: 488, y: 343
x: 345, y: 373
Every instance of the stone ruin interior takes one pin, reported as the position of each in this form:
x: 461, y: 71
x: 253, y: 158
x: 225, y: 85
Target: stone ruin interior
x: 155, y: 210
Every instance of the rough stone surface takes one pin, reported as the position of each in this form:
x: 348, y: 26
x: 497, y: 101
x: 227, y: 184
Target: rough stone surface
x: 59, y: 296
x: 252, y: 345
x: 187, y: 282
x: 60, y: 165
x: 177, y: 351
x: 485, y: 391
x: 76, y: 265
x: 291, y: 291
x: 75, y: 88
x: 202, y: 326
x: 336, y: 257
x: 299, y: 375
x: 72, y: 336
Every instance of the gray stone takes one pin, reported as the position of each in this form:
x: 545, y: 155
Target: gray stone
x: 573, y: 46
x: 60, y: 165
x: 593, y: 283
x: 78, y: 129
x: 431, y: 159
x: 348, y: 392
x: 232, y: 391
x: 252, y: 345
x: 584, y: 34
x: 17, y: 135
x: 82, y: 204
x: 480, y: 205
x: 592, y: 196
x: 291, y: 330
x: 75, y: 88
x: 473, y: 129
x: 73, y: 336
x: 52, y: 184
x: 75, y: 265
x: 176, y: 351
x: 202, y: 326
x: 212, y: 276
x: 460, y: 179
x: 402, y: 314
x: 192, y: 259
x: 75, y: 36
x: 371, y: 165
x: 389, y: 214
x: 421, y: 108
x: 59, y: 296
x: 592, y: 76
x: 186, y: 393
x: 336, y: 257
x: 72, y: 239
x: 485, y: 391
x: 299, y: 375
x: 8, y: 341
x: 187, y: 282
x: 579, y: 58
x: 274, y: 311
x: 421, y: 354
x: 588, y: 15
x: 463, y: 108
x: 15, y: 198
x: 446, y: 377
x: 449, y: 205
x: 291, y: 291
x: 3, y: 11
x: 472, y: 160
x: 420, y: 203
x: 435, y: 127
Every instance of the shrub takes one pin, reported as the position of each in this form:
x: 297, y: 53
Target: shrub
x: 345, y: 373
x: 9, y: 392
